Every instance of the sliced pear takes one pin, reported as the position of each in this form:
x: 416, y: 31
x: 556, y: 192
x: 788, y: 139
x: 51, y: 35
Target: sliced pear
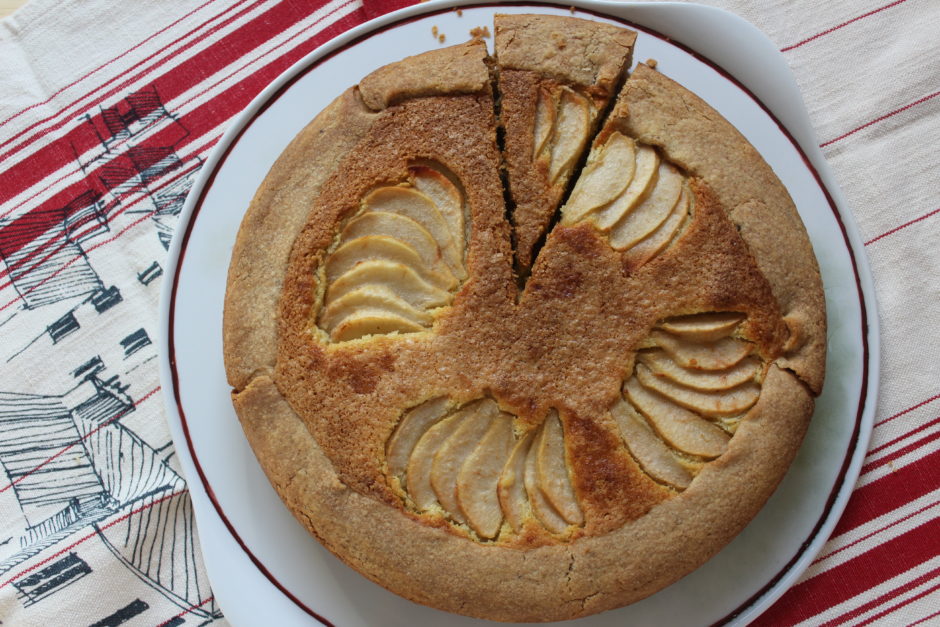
x: 570, y: 133
x: 401, y: 228
x: 478, y: 478
x: 371, y: 322
x: 644, y: 179
x: 411, y: 427
x: 552, y: 468
x: 545, y: 113
x: 384, y: 247
x: 475, y: 420
x: 716, y: 403
x: 718, y: 355
x: 608, y: 172
x: 436, y: 186
x: 655, y: 242
x: 542, y: 509
x: 707, y: 380
x: 409, y: 202
x: 679, y: 427
x: 371, y: 297
x: 511, y: 489
x: 653, y: 456
x: 703, y: 327
x: 399, y: 278
x: 422, y: 460
x: 651, y: 212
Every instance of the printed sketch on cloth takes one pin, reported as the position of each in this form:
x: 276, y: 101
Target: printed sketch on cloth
x: 92, y: 484
x: 102, y: 132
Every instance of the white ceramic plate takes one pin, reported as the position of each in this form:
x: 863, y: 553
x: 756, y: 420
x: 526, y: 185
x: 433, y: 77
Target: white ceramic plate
x: 266, y: 569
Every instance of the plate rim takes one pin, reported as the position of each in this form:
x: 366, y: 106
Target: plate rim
x: 814, y: 161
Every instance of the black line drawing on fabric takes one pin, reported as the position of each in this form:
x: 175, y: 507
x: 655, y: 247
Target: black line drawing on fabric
x: 42, y: 251
x: 138, y: 138
x: 135, y: 341
x: 101, y: 300
x: 129, y: 611
x: 132, y: 173
x: 51, y: 579
x: 72, y: 465
x: 150, y: 274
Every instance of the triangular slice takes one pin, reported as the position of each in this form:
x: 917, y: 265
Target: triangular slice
x: 557, y: 76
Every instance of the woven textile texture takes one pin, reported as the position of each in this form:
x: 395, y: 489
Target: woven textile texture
x: 107, y: 111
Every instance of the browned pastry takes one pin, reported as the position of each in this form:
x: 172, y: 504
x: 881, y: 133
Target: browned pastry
x: 556, y: 77
x: 536, y: 455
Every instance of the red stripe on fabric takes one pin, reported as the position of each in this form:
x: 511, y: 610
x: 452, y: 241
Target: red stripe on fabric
x: 908, y: 410
x: 890, y: 492
x: 262, y: 78
x: 122, y: 208
x: 875, y: 532
x: 880, y: 119
x: 202, y: 117
x: 126, y: 78
x: 205, y: 115
x: 91, y: 535
x: 897, y: 606
x: 881, y: 461
x: 102, y: 66
x: 104, y: 424
x: 221, y: 108
x: 925, y: 619
x: 842, y: 25
x: 172, y: 83
x: 879, y: 600
x: 903, y: 226
x: 376, y: 8
x: 902, y: 437
x: 852, y: 578
x: 143, y: 218
x: 185, y: 612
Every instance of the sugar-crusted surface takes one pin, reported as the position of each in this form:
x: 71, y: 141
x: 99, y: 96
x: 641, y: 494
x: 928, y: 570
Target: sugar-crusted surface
x: 318, y: 414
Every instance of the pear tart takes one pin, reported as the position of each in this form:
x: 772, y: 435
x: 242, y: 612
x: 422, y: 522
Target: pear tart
x: 536, y: 411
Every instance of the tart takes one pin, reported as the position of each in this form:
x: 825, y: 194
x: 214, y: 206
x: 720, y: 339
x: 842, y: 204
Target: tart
x: 523, y: 338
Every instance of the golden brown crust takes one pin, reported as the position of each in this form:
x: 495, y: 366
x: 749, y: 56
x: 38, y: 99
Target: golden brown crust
x: 566, y: 49
x: 454, y: 70
x: 320, y: 413
x: 538, y: 56
x: 658, y: 111
x: 278, y: 211
x: 561, y: 581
